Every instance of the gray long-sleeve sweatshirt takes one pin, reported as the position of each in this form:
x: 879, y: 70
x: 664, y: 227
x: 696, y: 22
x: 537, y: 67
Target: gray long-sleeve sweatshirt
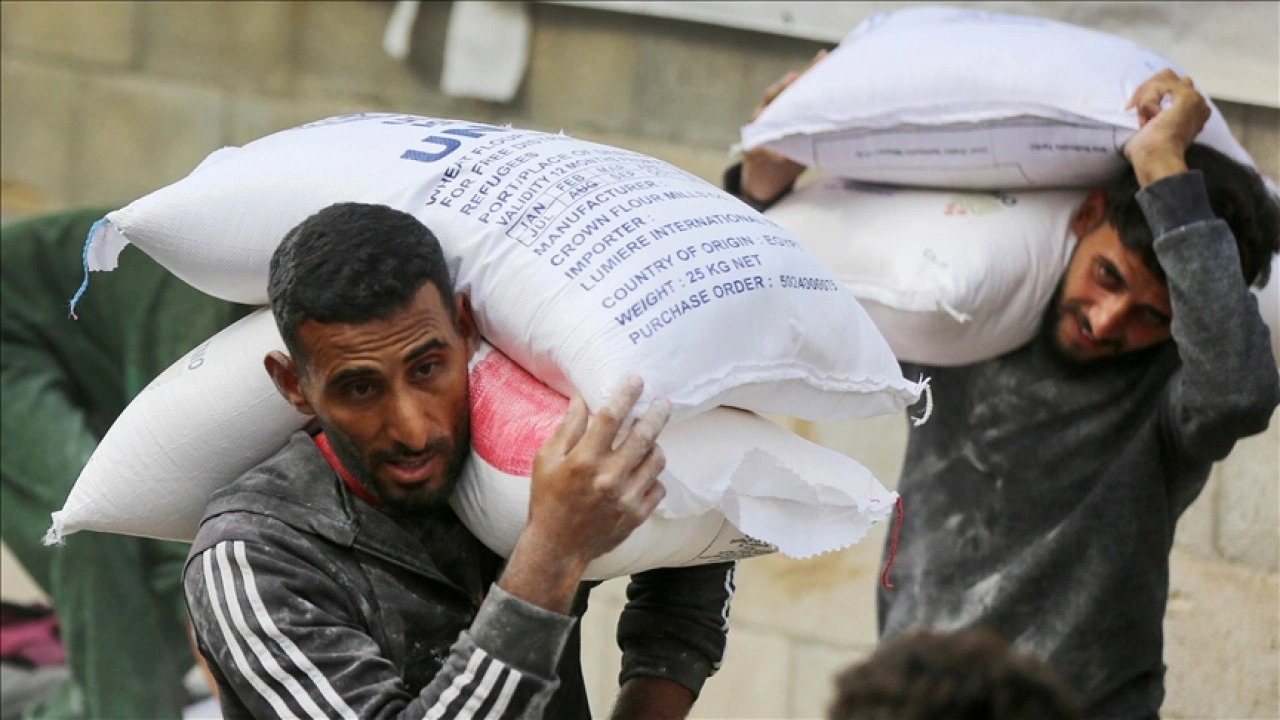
x: 1041, y: 497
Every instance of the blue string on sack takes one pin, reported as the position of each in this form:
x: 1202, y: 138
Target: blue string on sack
x: 84, y: 259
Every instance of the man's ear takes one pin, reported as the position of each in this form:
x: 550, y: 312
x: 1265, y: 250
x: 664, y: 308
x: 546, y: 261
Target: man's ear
x: 465, y: 321
x: 284, y: 373
x: 1091, y: 213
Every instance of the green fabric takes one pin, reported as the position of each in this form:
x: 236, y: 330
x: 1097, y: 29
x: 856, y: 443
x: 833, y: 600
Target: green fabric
x: 63, y: 382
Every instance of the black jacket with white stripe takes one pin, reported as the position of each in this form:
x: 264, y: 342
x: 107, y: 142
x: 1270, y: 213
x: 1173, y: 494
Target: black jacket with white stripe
x: 308, y: 602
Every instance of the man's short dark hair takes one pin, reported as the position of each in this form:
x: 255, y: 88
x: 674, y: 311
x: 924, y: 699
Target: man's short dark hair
x: 1236, y: 194
x: 963, y: 675
x: 352, y: 263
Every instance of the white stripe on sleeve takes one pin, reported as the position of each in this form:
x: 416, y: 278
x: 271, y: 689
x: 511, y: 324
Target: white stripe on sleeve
x: 504, y: 696
x: 729, y: 588
x: 490, y: 679
x: 250, y: 637
x: 452, y: 692
x: 302, y: 662
x: 246, y: 670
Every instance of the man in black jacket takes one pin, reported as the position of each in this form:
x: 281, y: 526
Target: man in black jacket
x: 334, y: 580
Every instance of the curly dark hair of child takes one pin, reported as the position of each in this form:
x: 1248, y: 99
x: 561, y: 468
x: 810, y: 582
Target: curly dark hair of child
x: 963, y: 675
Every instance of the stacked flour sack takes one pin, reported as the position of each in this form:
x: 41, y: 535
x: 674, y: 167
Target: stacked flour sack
x: 584, y: 263
x: 953, y: 147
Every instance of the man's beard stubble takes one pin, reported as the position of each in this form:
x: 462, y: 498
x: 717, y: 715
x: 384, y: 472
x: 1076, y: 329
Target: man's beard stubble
x: 1049, y: 321
x: 1052, y: 317
x: 436, y: 501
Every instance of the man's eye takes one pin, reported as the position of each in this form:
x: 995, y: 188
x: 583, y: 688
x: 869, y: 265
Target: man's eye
x: 358, y: 390
x: 424, y: 369
x: 1107, y: 275
x: 1153, y: 319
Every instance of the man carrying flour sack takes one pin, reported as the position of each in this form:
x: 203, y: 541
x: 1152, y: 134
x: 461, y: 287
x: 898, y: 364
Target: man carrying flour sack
x: 118, y: 599
x: 1041, y: 497
x: 334, y: 580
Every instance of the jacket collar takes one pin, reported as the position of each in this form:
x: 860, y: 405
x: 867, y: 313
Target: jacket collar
x: 298, y: 487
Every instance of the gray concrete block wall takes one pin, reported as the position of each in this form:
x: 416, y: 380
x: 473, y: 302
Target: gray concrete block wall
x: 237, y: 46
x: 581, y: 73
x: 691, y: 85
x: 1248, y: 502
x: 102, y: 102
x: 139, y: 133
x: 39, y: 138
x: 80, y: 35
x: 1220, y: 641
x: 1258, y: 129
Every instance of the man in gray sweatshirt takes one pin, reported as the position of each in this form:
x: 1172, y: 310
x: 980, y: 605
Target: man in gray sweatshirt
x: 1041, y: 497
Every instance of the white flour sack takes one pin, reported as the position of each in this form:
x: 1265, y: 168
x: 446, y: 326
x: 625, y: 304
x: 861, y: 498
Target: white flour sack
x: 949, y: 97
x: 215, y: 413
x: 584, y: 262
x: 199, y: 425
x: 950, y: 278
x: 738, y: 485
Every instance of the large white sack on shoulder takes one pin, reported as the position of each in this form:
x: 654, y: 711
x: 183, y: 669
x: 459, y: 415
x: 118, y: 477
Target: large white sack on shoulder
x: 950, y: 278
x: 737, y: 484
x: 199, y: 425
x: 949, y: 97
x: 214, y: 414
x: 583, y: 262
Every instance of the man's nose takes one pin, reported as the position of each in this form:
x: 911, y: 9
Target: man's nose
x: 408, y: 424
x: 1106, y: 319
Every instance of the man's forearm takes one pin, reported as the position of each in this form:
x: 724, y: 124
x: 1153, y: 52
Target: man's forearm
x: 675, y: 624
x: 652, y: 698
x: 1228, y: 385
x: 537, y: 575
x: 732, y: 182
x: 505, y: 662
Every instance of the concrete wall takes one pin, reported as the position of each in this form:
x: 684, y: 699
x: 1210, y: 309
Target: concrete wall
x: 103, y: 102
